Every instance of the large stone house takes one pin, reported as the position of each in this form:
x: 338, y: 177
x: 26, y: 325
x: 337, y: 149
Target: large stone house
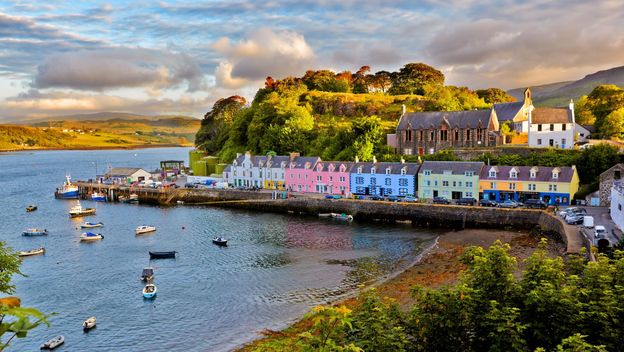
x: 421, y: 133
x: 613, y: 175
x: 517, y: 113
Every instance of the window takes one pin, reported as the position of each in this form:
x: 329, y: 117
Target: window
x: 459, y: 183
x: 299, y: 176
x: 555, y: 174
x: 552, y: 126
x: 343, y: 188
x: 319, y: 178
x: 431, y: 136
x: 435, y: 183
x: 403, y: 171
x: 531, y: 186
x: 402, y: 182
x: 456, y: 135
x: 539, y: 141
x: 234, y: 172
x: 359, y: 180
x: 373, y: 170
x: 512, y: 186
x: 331, y: 178
x: 469, y: 184
x: 513, y: 174
x: 533, y: 174
x: 306, y: 176
x: 402, y: 191
x: 468, y: 194
x: 388, y: 181
x: 492, y: 173
x: 445, y: 183
x: 359, y: 190
x: 428, y: 183
x: 563, y: 126
x: 359, y: 171
x: 408, y: 135
x: 469, y: 173
x: 388, y: 171
x: 342, y: 179
x: 563, y: 141
x: 539, y: 127
x: 373, y: 181
x: 454, y: 183
x: 552, y: 188
x: 427, y: 172
x: 444, y: 135
x: 388, y: 191
x: 467, y: 134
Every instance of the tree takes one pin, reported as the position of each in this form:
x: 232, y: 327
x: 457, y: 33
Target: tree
x: 213, y: 130
x: 368, y: 133
x: 413, y: 78
x: 494, y: 96
x: 360, y: 80
x: 612, y: 125
x: 594, y: 161
x: 381, y: 81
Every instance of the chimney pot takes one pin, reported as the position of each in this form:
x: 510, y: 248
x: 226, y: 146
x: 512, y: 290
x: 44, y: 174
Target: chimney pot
x: 374, y: 159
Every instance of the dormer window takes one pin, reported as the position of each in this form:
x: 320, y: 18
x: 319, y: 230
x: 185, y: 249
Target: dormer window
x: 403, y: 171
x: 388, y: 171
x: 373, y: 170
x: 469, y: 173
x: 427, y: 172
x: 319, y: 168
x: 493, y: 173
x: 343, y: 168
x: 359, y: 170
x: 513, y: 173
x: 555, y: 174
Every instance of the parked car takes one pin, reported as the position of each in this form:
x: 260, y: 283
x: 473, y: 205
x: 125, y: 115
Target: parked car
x: 375, y: 197
x: 466, y: 201
x: 508, y: 204
x: 570, y: 210
x: 600, y: 231
x: 575, y: 219
x: 488, y: 203
x: 535, y: 203
x: 440, y: 200
x: 410, y: 199
x: 393, y: 199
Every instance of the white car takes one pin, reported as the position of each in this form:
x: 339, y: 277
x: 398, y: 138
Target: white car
x: 600, y: 231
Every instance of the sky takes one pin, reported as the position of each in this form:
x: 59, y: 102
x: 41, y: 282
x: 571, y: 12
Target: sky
x: 179, y: 57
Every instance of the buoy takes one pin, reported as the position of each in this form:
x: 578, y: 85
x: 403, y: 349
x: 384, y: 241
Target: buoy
x: 183, y: 227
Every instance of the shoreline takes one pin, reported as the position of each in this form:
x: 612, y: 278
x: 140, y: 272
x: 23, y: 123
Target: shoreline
x: 436, y: 266
x: 129, y: 147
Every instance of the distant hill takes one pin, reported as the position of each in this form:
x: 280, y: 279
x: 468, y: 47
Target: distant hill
x: 559, y: 94
x: 101, y: 116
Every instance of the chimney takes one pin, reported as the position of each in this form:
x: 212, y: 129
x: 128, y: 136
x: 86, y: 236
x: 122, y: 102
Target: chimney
x: 357, y: 160
x: 374, y: 159
x: 571, y: 106
x: 238, y: 155
x: 402, y: 160
x: 403, y: 109
x: 294, y: 155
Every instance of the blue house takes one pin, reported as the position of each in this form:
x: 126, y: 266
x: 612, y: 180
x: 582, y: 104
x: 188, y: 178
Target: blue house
x: 383, y: 179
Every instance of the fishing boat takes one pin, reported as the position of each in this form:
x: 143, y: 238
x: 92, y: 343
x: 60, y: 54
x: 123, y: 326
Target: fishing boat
x: 31, y: 208
x: 98, y: 197
x: 147, y: 274
x: 162, y: 255
x: 90, y: 236
x: 89, y: 323
x: 35, y: 251
x: 219, y: 241
x: 144, y: 229
x: 133, y: 198
x: 149, y: 291
x: 68, y: 190
x: 35, y: 232
x: 53, y: 343
x: 90, y: 225
x: 77, y: 210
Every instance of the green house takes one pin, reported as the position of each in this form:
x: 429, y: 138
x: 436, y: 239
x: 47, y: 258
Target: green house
x: 449, y: 179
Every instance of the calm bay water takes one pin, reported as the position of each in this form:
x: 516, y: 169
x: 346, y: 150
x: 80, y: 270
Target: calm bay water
x: 209, y: 298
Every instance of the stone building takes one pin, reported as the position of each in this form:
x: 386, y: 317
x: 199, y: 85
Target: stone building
x: 607, y: 178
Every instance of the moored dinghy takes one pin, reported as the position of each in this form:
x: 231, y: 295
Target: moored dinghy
x: 147, y: 274
x: 144, y: 229
x: 35, y: 232
x: 98, y: 197
x: 53, y: 343
x: 149, y: 291
x: 90, y: 225
x: 77, y: 210
x: 35, y: 251
x: 89, y: 323
x: 220, y: 241
x: 90, y: 236
x: 162, y: 255
x: 31, y: 208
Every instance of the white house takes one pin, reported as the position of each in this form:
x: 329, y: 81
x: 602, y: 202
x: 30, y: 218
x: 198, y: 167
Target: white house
x: 582, y: 133
x: 552, y: 127
x: 617, y: 204
x: 127, y: 175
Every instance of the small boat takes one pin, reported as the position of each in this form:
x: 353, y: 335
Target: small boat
x: 219, y: 241
x: 149, y: 291
x: 90, y: 225
x: 89, y: 323
x: 162, y: 255
x: 144, y: 229
x: 35, y: 232
x: 35, y: 251
x: 147, y: 274
x: 77, y: 210
x: 98, y: 197
x: 90, y: 236
x: 343, y: 216
x: 133, y: 198
x: 68, y: 190
x: 180, y: 202
x: 53, y: 343
x: 31, y: 208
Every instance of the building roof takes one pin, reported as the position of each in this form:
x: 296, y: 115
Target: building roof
x: 228, y: 168
x: 551, y: 115
x: 380, y: 168
x: 461, y: 119
x: 300, y: 161
x: 611, y: 170
x: 544, y: 173
x: 326, y: 164
x: 507, y: 111
x: 456, y: 167
x: 124, y: 171
x: 589, y: 128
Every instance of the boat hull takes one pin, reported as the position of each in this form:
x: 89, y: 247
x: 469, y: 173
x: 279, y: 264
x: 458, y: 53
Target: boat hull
x: 99, y: 199
x: 89, y: 324
x: 54, y: 343
x: 220, y: 243
x: 66, y: 194
x: 91, y: 226
x: 162, y: 255
x: 34, y: 233
x: 84, y: 212
x: 32, y: 252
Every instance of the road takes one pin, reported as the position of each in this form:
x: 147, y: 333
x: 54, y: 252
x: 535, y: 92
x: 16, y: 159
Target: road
x: 602, y: 217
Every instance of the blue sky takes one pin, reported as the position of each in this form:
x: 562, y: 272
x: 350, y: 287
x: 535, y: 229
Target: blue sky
x: 63, y: 57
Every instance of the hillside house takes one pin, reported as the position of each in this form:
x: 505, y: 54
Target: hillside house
x: 552, y: 127
x: 607, y: 179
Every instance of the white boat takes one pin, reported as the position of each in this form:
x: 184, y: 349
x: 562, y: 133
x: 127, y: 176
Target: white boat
x: 98, y: 197
x: 53, y: 343
x: 89, y: 236
x: 144, y: 229
x: 133, y: 198
x: 89, y: 323
x: 90, y: 225
x: 35, y: 251
x: 149, y: 291
x: 77, y: 210
x: 337, y: 216
x: 35, y: 232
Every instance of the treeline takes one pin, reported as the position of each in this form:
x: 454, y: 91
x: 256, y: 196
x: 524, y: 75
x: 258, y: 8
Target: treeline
x: 555, y: 305
x: 603, y: 108
x: 334, y: 115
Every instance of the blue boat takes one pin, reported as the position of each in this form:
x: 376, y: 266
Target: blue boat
x: 98, y: 197
x: 149, y: 291
x: 67, y: 191
x: 35, y: 232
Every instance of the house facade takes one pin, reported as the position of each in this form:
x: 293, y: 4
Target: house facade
x: 383, y: 179
x: 517, y: 112
x: 127, y: 175
x: 273, y: 169
x: 332, y: 177
x: 299, y: 173
x: 552, y: 128
x: 553, y: 185
x: 617, y: 204
x: 449, y: 179
x: 421, y: 133
x: 607, y: 179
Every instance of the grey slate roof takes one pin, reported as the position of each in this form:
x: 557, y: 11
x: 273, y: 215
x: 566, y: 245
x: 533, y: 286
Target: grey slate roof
x: 456, y: 167
x: 544, y: 173
x: 300, y: 161
x: 551, y: 115
x: 461, y: 119
x: 507, y: 111
x: 228, y: 168
x: 336, y: 164
x: 380, y: 168
x: 123, y: 171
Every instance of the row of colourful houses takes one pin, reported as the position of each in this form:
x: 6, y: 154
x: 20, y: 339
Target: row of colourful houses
x: 447, y: 179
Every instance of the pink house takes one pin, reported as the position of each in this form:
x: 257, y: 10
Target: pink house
x: 299, y: 173
x: 332, y: 177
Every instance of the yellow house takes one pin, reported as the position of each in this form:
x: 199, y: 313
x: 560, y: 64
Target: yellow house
x: 553, y: 185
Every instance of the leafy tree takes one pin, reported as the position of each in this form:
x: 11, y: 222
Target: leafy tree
x: 413, y: 78
x: 612, y: 125
x: 494, y: 96
x: 582, y: 113
x: 381, y: 81
x: 451, y: 98
x: 213, y: 130
x: 594, y: 161
x: 361, y: 80
x: 368, y: 133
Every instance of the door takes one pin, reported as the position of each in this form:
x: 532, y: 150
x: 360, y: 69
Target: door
x: 435, y: 193
x: 456, y: 195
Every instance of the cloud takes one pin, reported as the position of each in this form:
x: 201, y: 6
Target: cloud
x: 121, y: 67
x: 263, y: 53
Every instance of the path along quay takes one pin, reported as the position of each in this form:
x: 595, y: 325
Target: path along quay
x: 420, y: 214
